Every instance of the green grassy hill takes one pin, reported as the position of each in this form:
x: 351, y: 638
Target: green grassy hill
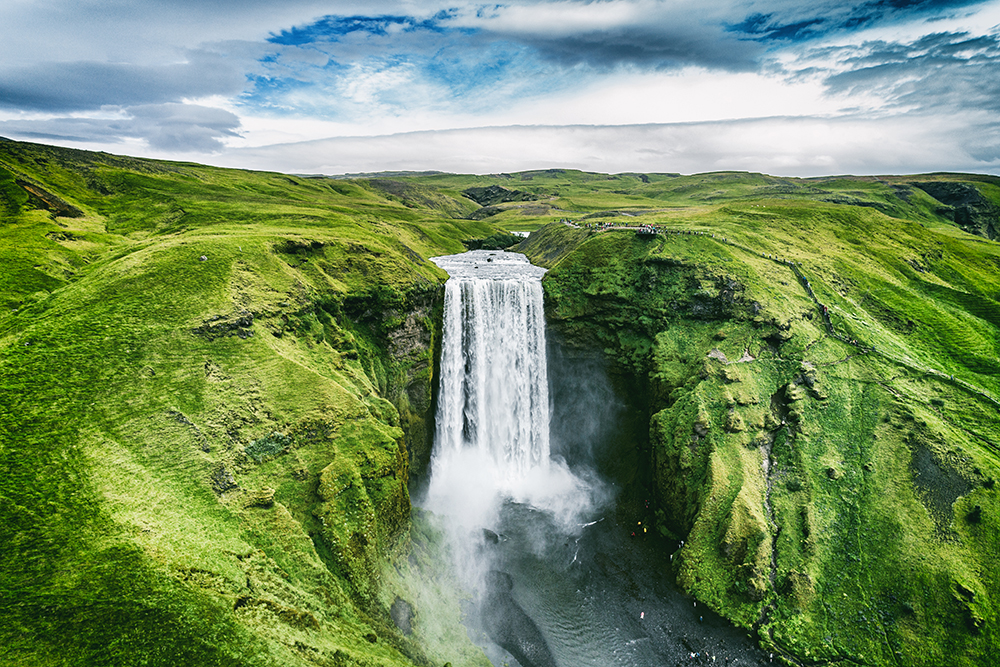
x: 822, y: 383
x: 216, y: 387
x: 209, y: 383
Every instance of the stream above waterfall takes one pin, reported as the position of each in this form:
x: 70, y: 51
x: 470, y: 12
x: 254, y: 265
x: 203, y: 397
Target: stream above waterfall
x: 556, y: 578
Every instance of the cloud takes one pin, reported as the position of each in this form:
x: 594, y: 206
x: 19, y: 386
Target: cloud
x: 722, y: 34
x: 73, y: 86
x: 781, y: 146
x: 612, y: 33
x: 165, y: 127
x: 802, y: 22
x: 184, y: 127
x: 146, y: 31
x: 764, y: 27
x: 470, y: 59
x: 944, y: 71
x: 141, y: 71
x: 334, y: 28
x: 384, y: 66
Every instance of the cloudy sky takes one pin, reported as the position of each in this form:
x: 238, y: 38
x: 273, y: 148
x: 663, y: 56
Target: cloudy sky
x: 780, y: 86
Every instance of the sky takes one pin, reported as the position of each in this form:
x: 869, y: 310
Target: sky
x: 344, y: 86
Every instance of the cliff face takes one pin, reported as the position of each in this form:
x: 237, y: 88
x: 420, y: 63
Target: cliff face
x: 966, y: 205
x: 821, y: 461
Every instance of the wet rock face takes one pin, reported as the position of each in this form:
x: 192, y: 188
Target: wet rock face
x: 412, y: 346
x: 413, y: 336
x: 401, y: 613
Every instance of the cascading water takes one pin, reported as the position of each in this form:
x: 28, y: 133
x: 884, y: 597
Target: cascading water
x: 492, y: 437
x: 494, y: 384
x: 556, y: 583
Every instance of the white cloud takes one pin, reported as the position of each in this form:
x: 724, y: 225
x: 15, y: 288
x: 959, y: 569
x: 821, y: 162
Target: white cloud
x: 162, y: 128
x: 565, y: 18
x: 693, y: 94
x: 170, y: 78
x: 781, y: 146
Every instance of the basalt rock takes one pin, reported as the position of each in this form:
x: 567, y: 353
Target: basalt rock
x: 495, y: 194
x: 510, y: 627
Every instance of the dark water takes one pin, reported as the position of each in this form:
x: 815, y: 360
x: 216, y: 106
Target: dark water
x: 601, y: 598
x: 598, y: 595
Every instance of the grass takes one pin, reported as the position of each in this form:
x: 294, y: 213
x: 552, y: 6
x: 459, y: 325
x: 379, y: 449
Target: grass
x: 841, y: 548
x: 215, y: 388
x: 172, y: 426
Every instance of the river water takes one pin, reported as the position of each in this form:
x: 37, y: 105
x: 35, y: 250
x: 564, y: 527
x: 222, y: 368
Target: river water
x: 556, y: 578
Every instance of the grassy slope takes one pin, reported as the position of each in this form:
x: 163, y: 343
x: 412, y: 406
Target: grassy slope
x: 859, y: 540
x: 131, y: 396
x: 151, y: 403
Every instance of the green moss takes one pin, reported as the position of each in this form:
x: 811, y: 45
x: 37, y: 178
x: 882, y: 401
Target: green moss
x: 268, y: 446
x: 780, y: 452
x: 213, y: 383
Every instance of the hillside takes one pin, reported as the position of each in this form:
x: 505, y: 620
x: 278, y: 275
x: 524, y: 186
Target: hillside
x: 216, y: 393
x: 210, y: 385
x: 822, y: 389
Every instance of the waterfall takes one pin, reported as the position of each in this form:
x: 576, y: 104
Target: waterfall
x: 493, y: 396
x: 491, y: 442
x: 555, y: 584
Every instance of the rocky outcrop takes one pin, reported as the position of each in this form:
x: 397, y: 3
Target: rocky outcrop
x: 239, y: 324
x: 496, y: 194
x: 39, y: 197
x: 510, y: 627
x: 413, y: 346
x: 966, y: 205
x: 485, y: 212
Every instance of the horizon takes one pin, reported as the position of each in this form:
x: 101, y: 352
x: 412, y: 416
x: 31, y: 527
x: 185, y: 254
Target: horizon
x: 388, y: 173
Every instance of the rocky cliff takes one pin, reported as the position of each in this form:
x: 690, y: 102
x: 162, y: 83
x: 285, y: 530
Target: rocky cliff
x: 822, y: 460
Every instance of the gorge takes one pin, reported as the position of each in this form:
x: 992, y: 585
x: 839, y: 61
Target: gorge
x: 219, y: 391
x: 531, y: 531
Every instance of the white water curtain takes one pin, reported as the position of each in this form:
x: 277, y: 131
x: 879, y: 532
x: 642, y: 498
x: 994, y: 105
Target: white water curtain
x: 494, y: 385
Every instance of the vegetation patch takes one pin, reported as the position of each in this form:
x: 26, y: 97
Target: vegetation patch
x: 806, y: 456
x: 268, y: 446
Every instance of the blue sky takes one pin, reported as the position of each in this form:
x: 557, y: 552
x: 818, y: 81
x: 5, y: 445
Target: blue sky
x: 884, y: 86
